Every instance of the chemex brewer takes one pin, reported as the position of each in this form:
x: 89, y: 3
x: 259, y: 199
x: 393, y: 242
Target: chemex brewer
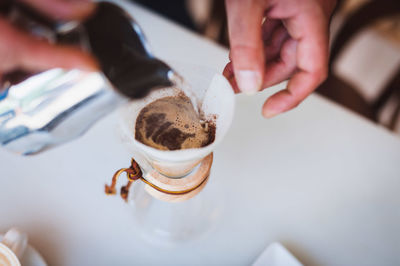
x: 163, y: 183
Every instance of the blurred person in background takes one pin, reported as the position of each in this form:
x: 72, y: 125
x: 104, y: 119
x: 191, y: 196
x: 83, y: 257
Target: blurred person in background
x: 270, y: 41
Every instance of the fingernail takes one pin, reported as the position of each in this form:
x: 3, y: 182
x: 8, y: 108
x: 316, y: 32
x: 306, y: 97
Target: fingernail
x: 249, y: 81
x: 270, y: 113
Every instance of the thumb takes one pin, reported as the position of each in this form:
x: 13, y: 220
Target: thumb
x: 32, y: 54
x: 40, y: 55
x: 20, y: 50
x: 245, y: 36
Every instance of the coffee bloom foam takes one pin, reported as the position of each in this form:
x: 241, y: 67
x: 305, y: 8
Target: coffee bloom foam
x: 216, y: 100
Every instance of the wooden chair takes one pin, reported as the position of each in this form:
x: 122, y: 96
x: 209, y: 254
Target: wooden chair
x: 217, y: 23
x: 343, y: 92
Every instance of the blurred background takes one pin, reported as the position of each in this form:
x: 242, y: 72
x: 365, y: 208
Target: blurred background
x: 365, y: 50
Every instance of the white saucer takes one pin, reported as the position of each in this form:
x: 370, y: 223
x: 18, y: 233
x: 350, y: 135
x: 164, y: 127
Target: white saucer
x: 276, y: 255
x: 31, y: 257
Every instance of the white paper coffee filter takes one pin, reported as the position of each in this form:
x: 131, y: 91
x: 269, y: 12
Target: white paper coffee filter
x: 215, y: 96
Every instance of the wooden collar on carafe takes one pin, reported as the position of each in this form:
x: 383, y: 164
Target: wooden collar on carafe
x: 162, y: 187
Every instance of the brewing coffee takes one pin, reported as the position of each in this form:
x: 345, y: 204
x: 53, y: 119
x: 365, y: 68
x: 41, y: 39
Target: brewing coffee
x: 171, y: 123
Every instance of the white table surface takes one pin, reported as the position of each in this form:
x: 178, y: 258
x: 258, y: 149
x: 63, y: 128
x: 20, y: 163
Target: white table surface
x: 320, y: 180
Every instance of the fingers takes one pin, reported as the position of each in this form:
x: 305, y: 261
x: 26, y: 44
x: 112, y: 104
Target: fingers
x: 310, y: 30
x: 63, y: 9
x: 18, y: 50
x: 290, y: 98
x: 228, y: 73
x: 279, y: 70
x: 273, y: 46
x: 244, y: 22
x: 268, y: 28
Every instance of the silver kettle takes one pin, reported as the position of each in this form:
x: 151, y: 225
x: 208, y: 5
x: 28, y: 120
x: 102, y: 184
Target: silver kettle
x: 41, y: 110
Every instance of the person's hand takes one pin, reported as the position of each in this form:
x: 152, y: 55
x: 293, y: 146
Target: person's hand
x: 20, y: 50
x: 274, y: 40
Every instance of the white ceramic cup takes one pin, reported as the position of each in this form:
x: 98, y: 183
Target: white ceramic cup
x: 12, y: 247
